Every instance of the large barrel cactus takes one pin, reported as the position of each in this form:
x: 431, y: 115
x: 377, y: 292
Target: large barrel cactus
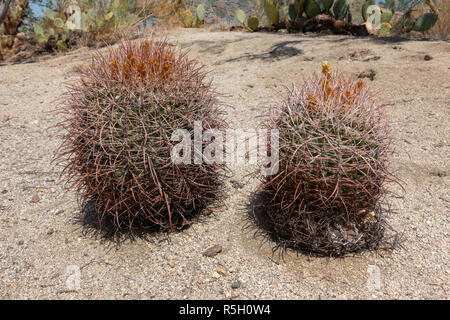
x: 119, y: 120
x: 328, y: 195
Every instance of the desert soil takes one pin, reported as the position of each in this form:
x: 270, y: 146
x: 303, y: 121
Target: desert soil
x: 41, y: 236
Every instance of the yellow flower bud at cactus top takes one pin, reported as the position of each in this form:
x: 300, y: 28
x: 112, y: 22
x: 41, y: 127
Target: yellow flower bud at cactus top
x: 326, y: 69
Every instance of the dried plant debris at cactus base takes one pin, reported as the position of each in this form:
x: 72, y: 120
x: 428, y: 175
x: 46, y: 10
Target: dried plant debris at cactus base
x: 329, y: 196
x: 323, y: 233
x: 119, y: 119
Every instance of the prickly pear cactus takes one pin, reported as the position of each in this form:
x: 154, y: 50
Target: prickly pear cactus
x: 59, y: 23
x: 187, y: 19
x: 326, y: 4
x: 365, y: 6
x: 425, y: 22
x: 292, y: 12
x: 253, y: 23
x: 403, y: 26
x: 240, y: 16
x: 271, y: 11
x: 311, y: 8
x: 61, y: 45
x: 299, y: 6
x: 341, y: 9
x: 49, y: 14
x: 200, y: 13
x: 53, y: 31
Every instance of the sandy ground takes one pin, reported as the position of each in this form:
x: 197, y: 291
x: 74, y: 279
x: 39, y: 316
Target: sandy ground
x: 41, y: 238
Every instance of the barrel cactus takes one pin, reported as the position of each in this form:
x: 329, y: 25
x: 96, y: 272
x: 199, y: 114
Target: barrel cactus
x: 119, y: 118
x: 328, y: 197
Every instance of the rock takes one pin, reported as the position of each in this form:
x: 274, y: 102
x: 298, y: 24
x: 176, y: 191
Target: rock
x: 172, y: 264
x: 237, y: 184
x: 359, y: 55
x: 222, y: 270
x: 213, y: 251
x: 35, y: 199
x: 436, y: 172
x: 4, y: 191
x: 370, y: 74
x: 236, y: 284
x: 215, y: 275
x: 372, y: 58
x: 427, y: 57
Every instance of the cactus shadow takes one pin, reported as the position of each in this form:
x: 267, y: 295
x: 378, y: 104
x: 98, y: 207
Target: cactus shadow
x: 398, y: 39
x: 212, y: 46
x: 279, y: 51
x: 89, y: 222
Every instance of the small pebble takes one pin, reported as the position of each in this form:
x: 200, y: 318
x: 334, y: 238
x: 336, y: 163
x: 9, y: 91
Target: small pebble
x: 237, y: 184
x: 370, y: 74
x: 236, y: 284
x: 222, y: 270
x: 213, y: 251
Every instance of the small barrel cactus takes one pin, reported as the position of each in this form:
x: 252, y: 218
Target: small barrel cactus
x: 119, y: 121
x: 327, y: 197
